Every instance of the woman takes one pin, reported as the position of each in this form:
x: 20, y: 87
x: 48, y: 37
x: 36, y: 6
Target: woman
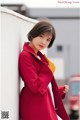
x: 37, y: 72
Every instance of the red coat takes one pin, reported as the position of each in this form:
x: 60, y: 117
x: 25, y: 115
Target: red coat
x: 35, y: 98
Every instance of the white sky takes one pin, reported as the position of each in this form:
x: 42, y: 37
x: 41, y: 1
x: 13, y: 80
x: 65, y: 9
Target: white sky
x: 46, y: 3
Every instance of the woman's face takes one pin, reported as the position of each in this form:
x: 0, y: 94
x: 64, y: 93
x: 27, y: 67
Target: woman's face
x: 41, y: 42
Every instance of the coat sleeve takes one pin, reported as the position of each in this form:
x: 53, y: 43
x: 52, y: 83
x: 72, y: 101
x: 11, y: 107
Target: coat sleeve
x: 62, y: 94
x: 29, y: 75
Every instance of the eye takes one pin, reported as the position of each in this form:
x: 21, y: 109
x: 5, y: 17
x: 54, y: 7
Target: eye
x: 41, y: 35
x: 48, y: 40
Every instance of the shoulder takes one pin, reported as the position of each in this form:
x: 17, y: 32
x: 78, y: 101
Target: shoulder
x: 25, y: 55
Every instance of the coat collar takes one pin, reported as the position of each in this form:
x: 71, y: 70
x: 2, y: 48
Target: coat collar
x: 27, y: 48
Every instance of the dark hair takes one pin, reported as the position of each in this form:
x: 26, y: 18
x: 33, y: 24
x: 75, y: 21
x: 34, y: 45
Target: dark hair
x: 40, y: 28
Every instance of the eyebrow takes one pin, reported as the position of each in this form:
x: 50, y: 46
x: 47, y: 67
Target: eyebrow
x: 50, y: 37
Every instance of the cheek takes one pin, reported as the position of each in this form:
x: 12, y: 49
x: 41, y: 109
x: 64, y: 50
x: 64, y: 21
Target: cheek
x: 35, y: 41
x: 48, y: 43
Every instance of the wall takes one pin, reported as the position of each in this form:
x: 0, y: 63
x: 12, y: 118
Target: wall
x: 14, y: 28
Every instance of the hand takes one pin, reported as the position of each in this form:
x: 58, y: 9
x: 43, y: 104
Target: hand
x: 66, y: 88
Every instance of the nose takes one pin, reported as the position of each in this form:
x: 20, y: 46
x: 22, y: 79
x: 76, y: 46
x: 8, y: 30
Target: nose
x: 43, y: 41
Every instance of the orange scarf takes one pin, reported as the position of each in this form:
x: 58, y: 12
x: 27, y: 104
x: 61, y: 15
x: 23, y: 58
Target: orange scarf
x: 51, y: 64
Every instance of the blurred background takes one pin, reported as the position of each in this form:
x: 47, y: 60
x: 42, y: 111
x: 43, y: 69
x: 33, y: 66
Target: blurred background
x: 65, y: 52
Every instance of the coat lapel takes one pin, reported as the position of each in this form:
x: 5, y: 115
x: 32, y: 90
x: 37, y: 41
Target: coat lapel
x: 27, y: 48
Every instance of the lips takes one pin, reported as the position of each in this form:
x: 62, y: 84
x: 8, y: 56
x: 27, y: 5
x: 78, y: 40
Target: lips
x: 41, y: 46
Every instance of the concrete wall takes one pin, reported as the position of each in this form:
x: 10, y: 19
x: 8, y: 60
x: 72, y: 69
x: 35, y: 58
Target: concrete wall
x: 14, y: 28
